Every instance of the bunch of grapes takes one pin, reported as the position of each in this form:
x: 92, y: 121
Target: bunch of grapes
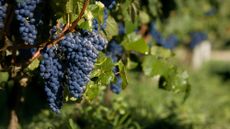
x: 197, y: 38
x: 115, y: 51
x: 70, y: 63
x: 81, y: 51
x: 116, y: 86
x: 169, y: 43
x: 3, y: 8
x: 51, y: 71
x: 25, y: 16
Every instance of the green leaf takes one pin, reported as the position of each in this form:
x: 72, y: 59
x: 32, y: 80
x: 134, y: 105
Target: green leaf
x: 69, y: 6
x: 130, y: 64
x: 72, y: 125
x: 171, y: 78
x: 123, y: 74
x: 136, y: 43
x: 34, y: 65
x: 153, y: 66
x: 161, y: 52
x: 144, y: 17
x: 103, y: 70
x: 85, y: 25
x: 4, y: 76
x: 92, y: 91
x: 111, y: 28
x: 129, y: 26
x: 175, y: 81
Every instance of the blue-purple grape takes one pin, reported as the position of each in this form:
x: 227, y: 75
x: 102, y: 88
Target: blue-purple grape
x: 105, y: 17
x: 3, y: 8
x: 72, y: 60
x: 121, y: 28
x: 156, y: 34
x: 25, y: 16
x: 116, y: 86
x: 81, y: 51
x: 115, y: 51
x: 197, y: 38
x: 95, y: 25
x: 171, y: 42
x: 51, y: 70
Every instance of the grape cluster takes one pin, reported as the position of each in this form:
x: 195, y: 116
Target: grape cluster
x: 3, y: 8
x: 170, y: 42
x: 51, y: 71
x: 197, y: 38
x: 81, y: 52
x: 115, y: 51
x: 70, y: 63
x: 25, y: 16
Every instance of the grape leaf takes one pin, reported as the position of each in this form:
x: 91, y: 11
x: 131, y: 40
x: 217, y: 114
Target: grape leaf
x: 103, y: 70
x: 131, y: 64
x: 136, y: 43
x: 161, y: 52
x: 123, y: 74
x: 4, y: 76
x: 92, y: 91
x: 35, y: 64
x: 69, y: 6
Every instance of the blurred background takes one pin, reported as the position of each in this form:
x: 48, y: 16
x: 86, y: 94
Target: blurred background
x: 198, y: 33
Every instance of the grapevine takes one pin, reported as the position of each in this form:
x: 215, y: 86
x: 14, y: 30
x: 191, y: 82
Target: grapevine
x: 75, y: 47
